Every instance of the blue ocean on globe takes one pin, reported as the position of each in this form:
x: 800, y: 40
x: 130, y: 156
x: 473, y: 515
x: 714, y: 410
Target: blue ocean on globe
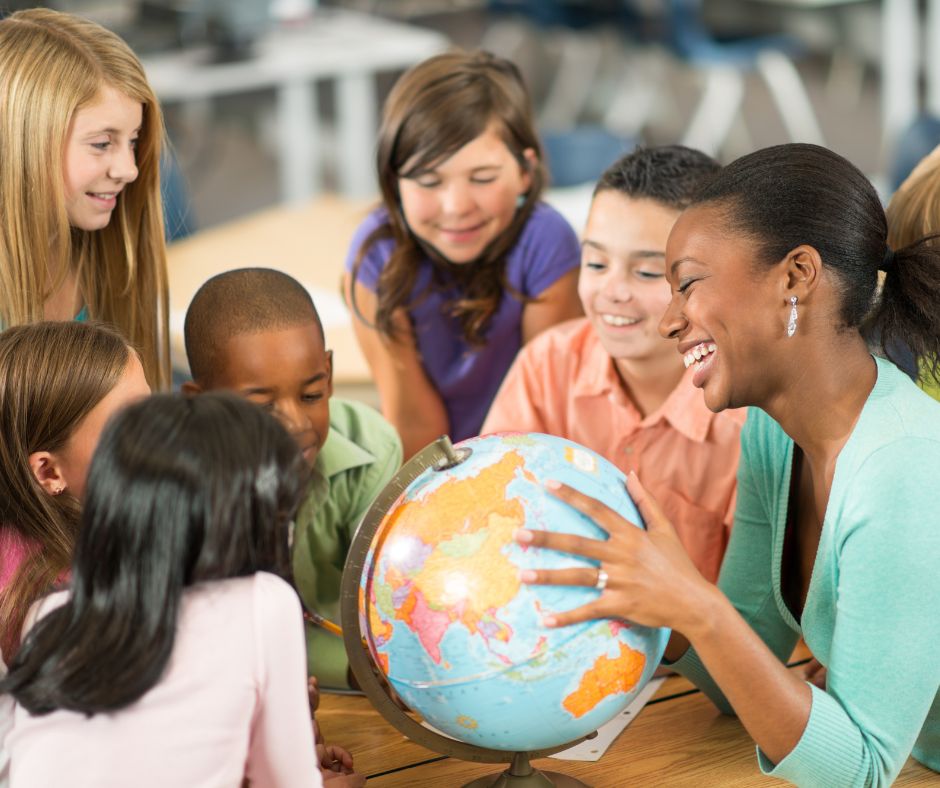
x: 456, y: 633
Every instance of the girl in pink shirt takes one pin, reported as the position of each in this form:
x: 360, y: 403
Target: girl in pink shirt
x: 178, y: 656
x: 59, y: 383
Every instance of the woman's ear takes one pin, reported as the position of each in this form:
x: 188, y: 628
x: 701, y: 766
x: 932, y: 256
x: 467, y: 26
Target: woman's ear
x: 48, y: 472
x: 803, y: 267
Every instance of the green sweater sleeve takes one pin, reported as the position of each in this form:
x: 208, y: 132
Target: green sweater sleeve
x: 880, y: 644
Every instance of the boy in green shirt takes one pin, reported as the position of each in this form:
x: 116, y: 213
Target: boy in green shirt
x: 255, y: 331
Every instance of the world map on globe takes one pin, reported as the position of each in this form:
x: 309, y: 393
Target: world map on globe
x: 457, y: 634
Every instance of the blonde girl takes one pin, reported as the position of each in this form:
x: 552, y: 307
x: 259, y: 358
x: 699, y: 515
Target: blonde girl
x: 80, y: 141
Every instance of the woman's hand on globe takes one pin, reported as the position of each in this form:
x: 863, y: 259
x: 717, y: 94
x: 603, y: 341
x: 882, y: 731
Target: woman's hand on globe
x: 650, y: 578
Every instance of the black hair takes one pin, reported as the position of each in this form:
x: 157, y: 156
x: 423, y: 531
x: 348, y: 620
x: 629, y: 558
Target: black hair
x: 668, y: 174
x: 241, y: 301
x: 787, y: 195
x: 181, y: 490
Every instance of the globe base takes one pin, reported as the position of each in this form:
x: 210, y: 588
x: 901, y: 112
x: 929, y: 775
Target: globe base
x: 520, y: 774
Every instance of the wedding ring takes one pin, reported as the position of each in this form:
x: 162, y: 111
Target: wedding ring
x: 601, y: 583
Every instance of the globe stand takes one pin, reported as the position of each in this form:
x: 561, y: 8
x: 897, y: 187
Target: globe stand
x: 521, y: 774
x: 439, y: 455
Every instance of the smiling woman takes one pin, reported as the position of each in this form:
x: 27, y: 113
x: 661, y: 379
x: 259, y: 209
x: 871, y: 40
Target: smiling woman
x: 80, y: 141
x: 835, y: 537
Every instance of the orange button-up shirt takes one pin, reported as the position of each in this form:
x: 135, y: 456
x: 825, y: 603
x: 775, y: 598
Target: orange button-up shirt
x: 565, y: 383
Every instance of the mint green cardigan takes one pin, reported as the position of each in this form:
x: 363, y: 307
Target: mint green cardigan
x: 872, y: 613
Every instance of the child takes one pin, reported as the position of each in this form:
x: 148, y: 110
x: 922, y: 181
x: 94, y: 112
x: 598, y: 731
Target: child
x: 609, y: 381
x: 913, y: 213
x: 462, y: 264
x: 59, y: 384
x: 80, y: 138
x: 256, y: 331
x: 177, y: 656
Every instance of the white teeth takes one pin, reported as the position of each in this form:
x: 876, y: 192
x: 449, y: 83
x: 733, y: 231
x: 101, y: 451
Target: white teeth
x: 698, y: 353
x: 618, y: 320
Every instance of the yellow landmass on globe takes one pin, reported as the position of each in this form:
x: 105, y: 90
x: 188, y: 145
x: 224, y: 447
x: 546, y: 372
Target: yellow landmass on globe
x: 604, y: 678
x: 466, y: 577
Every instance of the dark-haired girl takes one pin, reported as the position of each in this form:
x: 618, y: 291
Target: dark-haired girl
x: 177, y: 657
x: 836, y: 534
x: 463, y: 263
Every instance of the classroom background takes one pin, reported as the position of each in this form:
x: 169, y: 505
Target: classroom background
x: 272, y: 106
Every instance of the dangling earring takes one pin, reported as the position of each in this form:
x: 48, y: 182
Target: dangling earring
x: 791, y: 326
x: 520, y: 200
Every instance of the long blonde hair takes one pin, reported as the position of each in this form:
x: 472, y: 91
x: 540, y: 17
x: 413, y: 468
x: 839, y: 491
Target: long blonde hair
x: 52, y: 374
x: 51, y: 65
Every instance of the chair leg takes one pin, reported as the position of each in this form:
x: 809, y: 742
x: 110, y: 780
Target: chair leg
x: 574, y: 78
x: 721, y: 101
x: 789, y: 94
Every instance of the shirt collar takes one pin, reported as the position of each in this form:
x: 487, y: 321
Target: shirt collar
x: 339, y: 454
x: 684, y: 408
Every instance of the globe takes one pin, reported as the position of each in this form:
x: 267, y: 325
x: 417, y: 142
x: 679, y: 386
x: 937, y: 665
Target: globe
x: 455, y: 632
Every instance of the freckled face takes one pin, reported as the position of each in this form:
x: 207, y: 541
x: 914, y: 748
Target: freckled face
x: 287, y: 371
x: 100, y: 157
x: 622, y: 284
x: 724, y: 311
x: 463, y: 204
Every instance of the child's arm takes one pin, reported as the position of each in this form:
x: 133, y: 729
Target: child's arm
x: 409, y: 400
x: 555, y: 304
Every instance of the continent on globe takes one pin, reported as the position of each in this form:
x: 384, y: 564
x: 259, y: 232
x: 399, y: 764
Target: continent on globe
x: 456, y: 633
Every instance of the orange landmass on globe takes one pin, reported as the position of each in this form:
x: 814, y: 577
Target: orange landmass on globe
x: 606, y: 677
x: 473, y: 515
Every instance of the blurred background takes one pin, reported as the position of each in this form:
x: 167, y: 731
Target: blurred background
x: 272, y: 107
x: 276, y: 101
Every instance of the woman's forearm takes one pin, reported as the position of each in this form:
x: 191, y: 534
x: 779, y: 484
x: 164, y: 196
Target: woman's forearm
x: 772, y: 703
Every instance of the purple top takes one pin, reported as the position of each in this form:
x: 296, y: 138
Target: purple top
x: 468, y: 378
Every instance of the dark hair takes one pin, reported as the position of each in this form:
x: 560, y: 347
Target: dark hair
x: 242, y: 301
x: 668, y: 174
x: 788, y: 195
x: 434, y: 110
x: 52, y: 375
x: 181, y: 490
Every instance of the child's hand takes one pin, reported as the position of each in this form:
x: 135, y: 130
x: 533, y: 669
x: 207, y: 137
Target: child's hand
x: 815, y: 673
x: 313, y: 693
x: 334, y: 759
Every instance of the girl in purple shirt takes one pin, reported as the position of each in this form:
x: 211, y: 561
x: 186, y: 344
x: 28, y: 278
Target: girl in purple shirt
x: 462, y: 264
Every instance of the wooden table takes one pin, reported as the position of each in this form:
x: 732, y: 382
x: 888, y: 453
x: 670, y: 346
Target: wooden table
x: 679, y: 739
x: 309, y: 242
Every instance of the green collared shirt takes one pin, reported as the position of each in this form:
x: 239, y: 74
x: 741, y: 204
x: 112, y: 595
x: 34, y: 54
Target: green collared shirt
x: 361, y: 453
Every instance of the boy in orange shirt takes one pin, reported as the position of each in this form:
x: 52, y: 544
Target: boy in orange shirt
x: 610, y: 382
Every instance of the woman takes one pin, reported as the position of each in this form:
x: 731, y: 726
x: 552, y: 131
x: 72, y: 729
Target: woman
x: 773, y: 269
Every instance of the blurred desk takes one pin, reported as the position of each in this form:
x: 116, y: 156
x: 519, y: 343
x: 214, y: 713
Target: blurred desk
x: 678, y: 739
x: 309, y: 242
x: 343, y: 46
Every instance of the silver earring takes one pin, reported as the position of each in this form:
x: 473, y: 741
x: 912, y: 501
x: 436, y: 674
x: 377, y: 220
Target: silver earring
x: 791, y: 326
x: 520, y: 199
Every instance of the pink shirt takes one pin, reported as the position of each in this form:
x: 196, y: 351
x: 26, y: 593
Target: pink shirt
x: 13, y: 551
x: 232, y: 704
x: 564, y: 383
